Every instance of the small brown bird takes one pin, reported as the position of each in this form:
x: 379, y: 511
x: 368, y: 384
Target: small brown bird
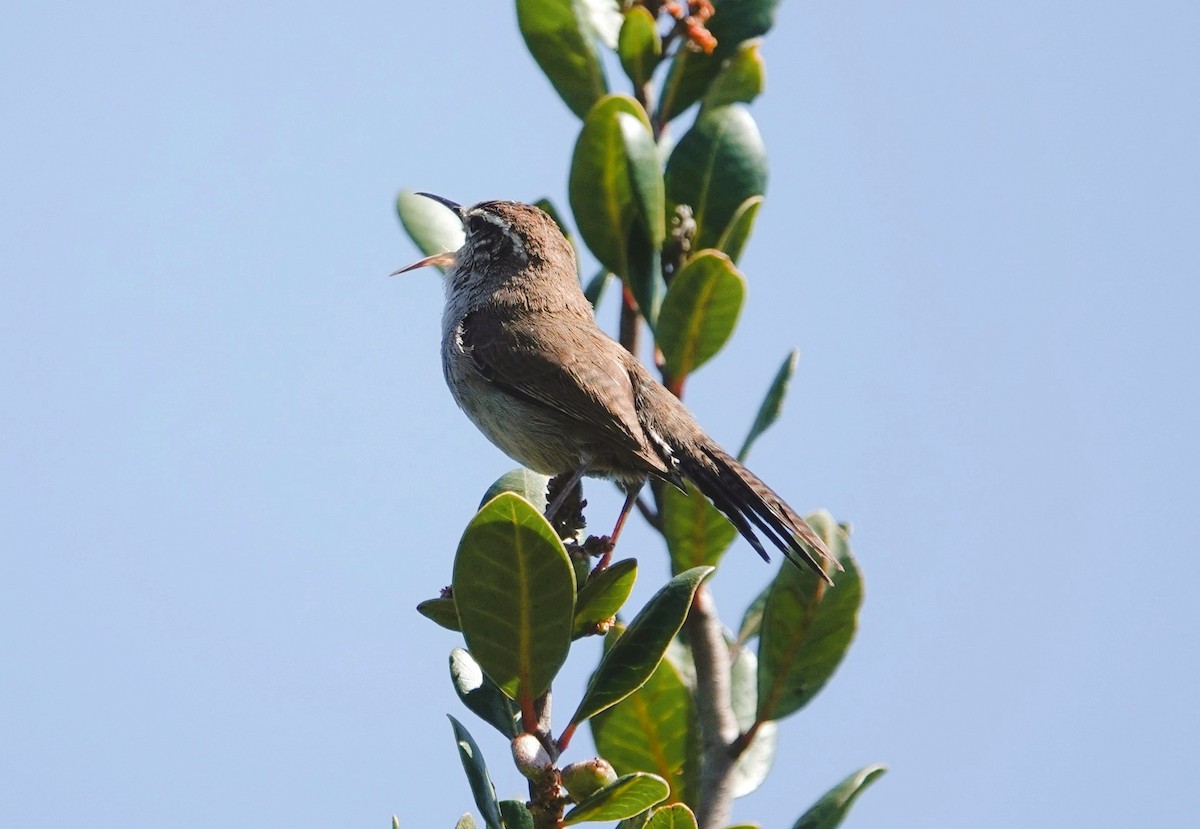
x: 525, y: 360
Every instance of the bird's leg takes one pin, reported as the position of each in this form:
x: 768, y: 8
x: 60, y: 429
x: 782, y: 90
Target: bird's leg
x: 611, y: 542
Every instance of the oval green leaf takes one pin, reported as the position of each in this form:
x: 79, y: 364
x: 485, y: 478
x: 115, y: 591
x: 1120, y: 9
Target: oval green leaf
x: 528, y: 484
x: 737, y: 234
x: 431, y: 225
x: 515, y: 592
x: 616, y: 193
x: 772, y: 404
x: 639, y: 45
x: 696, y: 531
x: 688, y: 78
x: 624, y: 797
x: 807, y: 627
x: 480, y: 694
x: 651, y: 730
x: 718, y: 164
x: 675, y: 816
x: 736, y: 21
x: 441, y: 610
x: 828, y: 812
x: 562, y: 39
x: 516, y: 815
x: 477, y: 775
x: 629, y: 663
x: 741, y: 79
x: 599, y: 188
x: 699, y: 312
x: 604, y: 594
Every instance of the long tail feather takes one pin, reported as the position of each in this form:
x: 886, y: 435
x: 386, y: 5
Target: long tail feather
x: 746, y: 500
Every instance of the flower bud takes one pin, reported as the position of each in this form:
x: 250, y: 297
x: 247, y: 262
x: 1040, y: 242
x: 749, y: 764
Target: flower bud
x: 584, y: 779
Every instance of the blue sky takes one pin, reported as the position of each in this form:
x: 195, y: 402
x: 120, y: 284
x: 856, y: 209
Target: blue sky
x: 229, y: 468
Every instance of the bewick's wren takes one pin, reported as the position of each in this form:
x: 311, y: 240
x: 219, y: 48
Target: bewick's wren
x: 525, y: 360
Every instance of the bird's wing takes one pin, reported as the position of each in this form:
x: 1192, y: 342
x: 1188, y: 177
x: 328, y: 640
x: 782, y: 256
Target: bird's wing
x: 582, y: 375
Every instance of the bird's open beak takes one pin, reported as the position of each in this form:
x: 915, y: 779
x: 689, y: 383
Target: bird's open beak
x: 441, y: 260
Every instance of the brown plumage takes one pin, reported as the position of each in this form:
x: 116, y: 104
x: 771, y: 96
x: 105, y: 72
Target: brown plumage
x: 525, y: 360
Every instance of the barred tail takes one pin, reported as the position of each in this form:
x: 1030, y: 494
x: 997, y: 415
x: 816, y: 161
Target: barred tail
x: 748, y: 503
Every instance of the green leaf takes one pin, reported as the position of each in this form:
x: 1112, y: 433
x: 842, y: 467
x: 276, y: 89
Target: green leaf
x: 395, y: 822
x: 740, y: 80
x: 650, y: 730
x: 772, y: 405
x: 696, y: 531
x: 807, y: 627
x: 631, y: 661
x: 616, y: 193
x: 480, y: 694
x: 465, y: 822
x: 638, y: 821
x: 690, y: 75
x: 752, y: 618
x: 441, y: 610
x: 624, y: 797
x: 477, y: 775
x: 699, y: 312
x: 516, y: 815
x: 604, y: 594
x: 596, y: 287
x: 718, y: 164
x: 745, y: 19
x: 561, y: 36
x: 515, y: 592
x: 829, y: 811
x: 752, y: 767
x: 431, y: 225
x: 733, y: 239
x: 639, y: 45
x: 528, y: 484
x: 675, y: 816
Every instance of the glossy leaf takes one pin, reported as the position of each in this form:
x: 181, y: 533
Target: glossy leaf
x: 631, y: 661
x: 741, y: 79
x: 718, y: 164
x: 689, y: 77
x: 752, y: 767
x: 515, y: 592
x: 737, y: 234
x: 646, y: 175
x: 638, y: 821
x: 623, y: 798
x: 562, y: 39
x: 675, y: 816
x: 477, y: 775
x: 651, y: 730
x: 528, y: 484
x: 616, y: 193
x: 829, y: 811
x: 604, y: 594
x: 431, y: 226
x: 772, y: 404
x: 696, y: 531
x: 699, y: 312
x: 736, y: 21
x: 807, y: 627
x: 480, y: 694
x: 441, y: 610
x: 516, y: 815
x: 639, y: 45
x: 752, y: 618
